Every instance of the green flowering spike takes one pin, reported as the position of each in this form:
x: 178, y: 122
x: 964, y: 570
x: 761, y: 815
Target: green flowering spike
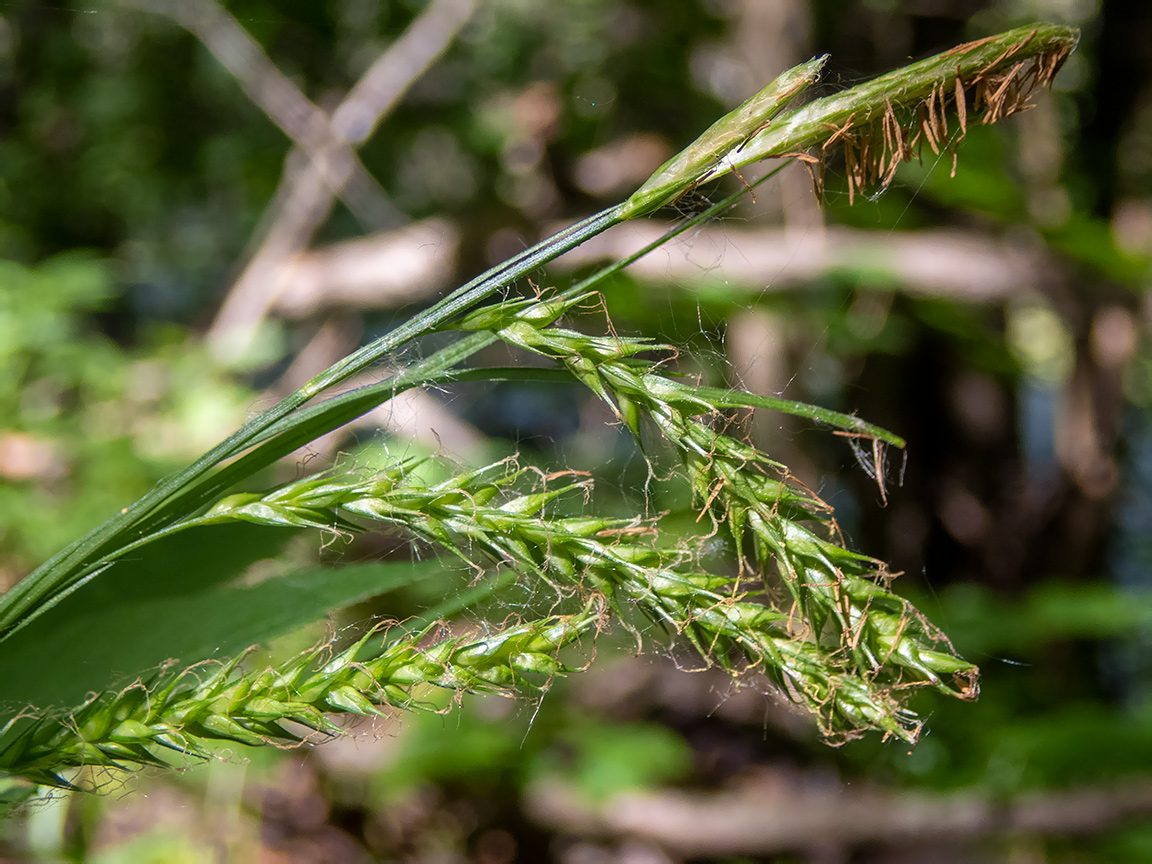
x: 524, y: 505
x: 49, y: 779
x: 126, y: 754
x: 351, y: 700
x: 537, y: 313
x: 223, y: 727
x: 630, y: 412
x: 264, y: 709
x: 129, y: 730
x: 854, y: 705
x: 540, y: 664
x: 669, y: 583
x: 501, y: 677
x: 178, y: 742
x: 676, y: 393
x: 711, y: 155
x: 415, y: 673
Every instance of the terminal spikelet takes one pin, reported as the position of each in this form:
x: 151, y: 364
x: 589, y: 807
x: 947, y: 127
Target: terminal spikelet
x: 881, y: 123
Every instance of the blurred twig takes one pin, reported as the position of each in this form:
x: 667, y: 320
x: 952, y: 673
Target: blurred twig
x: 784, y: 814
x: 324, y: 163
x: 275, y: 94
x: 383, y: 270
x: 943, y: 263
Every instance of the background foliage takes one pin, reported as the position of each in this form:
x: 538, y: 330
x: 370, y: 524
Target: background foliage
x: 996, y: 320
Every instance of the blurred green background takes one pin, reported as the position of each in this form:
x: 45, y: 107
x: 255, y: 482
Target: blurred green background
x: 171, y: 259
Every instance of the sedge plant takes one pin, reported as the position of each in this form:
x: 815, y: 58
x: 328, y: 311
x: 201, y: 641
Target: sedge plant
x: 792, y: 604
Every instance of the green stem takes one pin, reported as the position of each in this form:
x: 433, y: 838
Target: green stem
x: 308, y: 423
x: 74, y: 565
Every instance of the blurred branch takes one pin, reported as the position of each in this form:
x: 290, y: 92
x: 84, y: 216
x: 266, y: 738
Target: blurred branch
x: 275, y: 94
x: 951, y: 264
x: 325, y: 163
x: 380, y: 88
x: 303, y: 199
x: 786, y: 814
x: 383, y: 270
x: 418, y: 416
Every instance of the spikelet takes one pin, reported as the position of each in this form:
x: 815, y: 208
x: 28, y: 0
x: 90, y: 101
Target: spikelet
x: 878, y: 124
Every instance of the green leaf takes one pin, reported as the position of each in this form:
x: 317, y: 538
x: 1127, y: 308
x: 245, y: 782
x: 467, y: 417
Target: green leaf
x: 176, y: 599
x: 168, y: 501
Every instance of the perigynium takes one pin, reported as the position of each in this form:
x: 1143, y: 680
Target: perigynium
x: 791, y: 603
x: 185, y: 712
